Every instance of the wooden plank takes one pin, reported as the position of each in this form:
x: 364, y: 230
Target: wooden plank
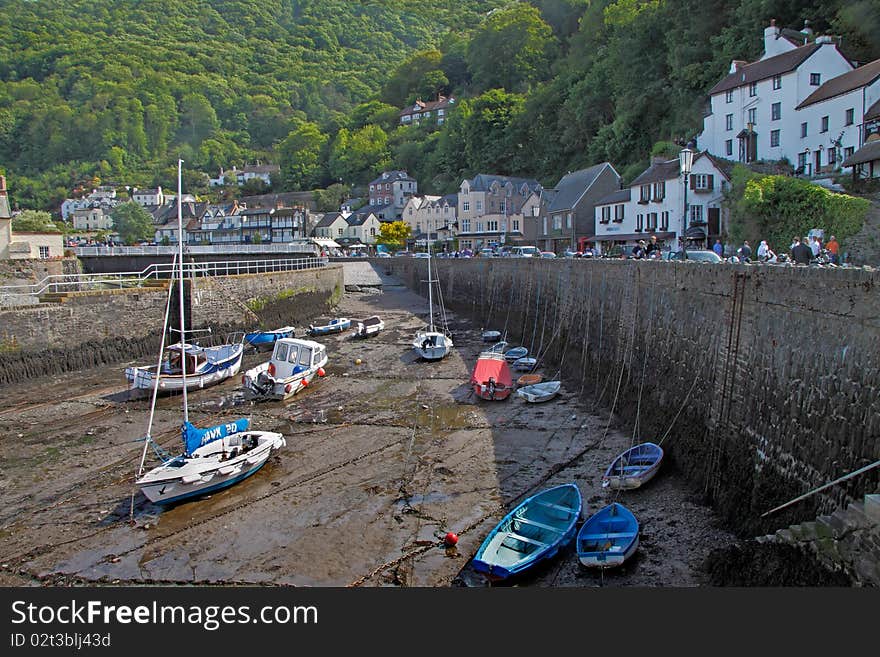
x: 529, y: 521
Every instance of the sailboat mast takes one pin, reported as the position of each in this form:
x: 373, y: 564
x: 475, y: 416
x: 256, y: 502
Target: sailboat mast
x: 180, y: 284
x: 430, y: 287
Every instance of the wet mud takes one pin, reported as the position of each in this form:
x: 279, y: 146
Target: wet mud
x: 384, y: 455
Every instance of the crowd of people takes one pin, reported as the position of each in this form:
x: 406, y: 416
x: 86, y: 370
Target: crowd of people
x: 801, y: 251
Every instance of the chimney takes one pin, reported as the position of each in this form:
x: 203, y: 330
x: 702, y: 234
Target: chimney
x: 737, y: 64
x: 773, y: 45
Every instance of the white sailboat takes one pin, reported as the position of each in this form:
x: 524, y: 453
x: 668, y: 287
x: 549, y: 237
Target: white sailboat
x: 431, y: 343
x: 212, y: 458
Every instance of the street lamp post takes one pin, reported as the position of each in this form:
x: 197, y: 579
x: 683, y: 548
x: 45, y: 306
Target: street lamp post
x: 686, y: 161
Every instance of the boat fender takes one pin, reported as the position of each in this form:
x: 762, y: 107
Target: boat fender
x: 450, y: 539
x: 305, y: 384
x: 321, y: 371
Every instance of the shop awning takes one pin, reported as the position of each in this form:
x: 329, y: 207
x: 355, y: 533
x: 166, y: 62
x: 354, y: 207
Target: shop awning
x: 324, y: 241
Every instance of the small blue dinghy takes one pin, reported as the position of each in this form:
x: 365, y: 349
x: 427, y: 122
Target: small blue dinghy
x: 336, y: 325
x: 265, y: 340
x: 515, y: 353
x: 608, y: 537
x: 534, y: 531
x: 633, y: 467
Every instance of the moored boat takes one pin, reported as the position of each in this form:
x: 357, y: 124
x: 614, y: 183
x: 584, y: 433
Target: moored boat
x: 633, y: 467
x: 540, y: 392
x: 491, y: 378
x: 608, y: 537
x: 265, y: 340
x: 326, y: 327
x: 364, y: 328
x: 533, y: 532
x: 293, y: 366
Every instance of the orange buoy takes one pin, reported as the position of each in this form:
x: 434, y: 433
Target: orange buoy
x: 321, y: 371
x: 305, y: 384
x: 451, y: 538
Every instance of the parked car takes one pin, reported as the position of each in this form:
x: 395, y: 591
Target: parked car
x: 525, y: 252
x: 421, y: 255
x: 486, y: 253
x: 402, y: 254
x: 383, y: 254
x: 699, y: 255
x: 548, y: 254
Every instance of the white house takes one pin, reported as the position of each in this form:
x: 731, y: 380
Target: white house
x: 392, y: 188
x: 363, y: 228
x: 145, y: 197
x: 93, y: 218
x: 753, y: 112
x: 654, y: 204
x: 834, y: 119
x: 332, y: 226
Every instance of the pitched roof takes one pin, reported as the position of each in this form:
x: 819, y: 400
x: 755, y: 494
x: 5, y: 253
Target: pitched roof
x: 483, y: 181
x: 421, y: 106
x: 620, y: 196
x: 392, y: 176
x: 870, y: 151
x: 573, y: 185
x: 328, y: 219
x: 765, y: 68
x: 659, y: 170
x: 358, y: 218
x: 854, y: 79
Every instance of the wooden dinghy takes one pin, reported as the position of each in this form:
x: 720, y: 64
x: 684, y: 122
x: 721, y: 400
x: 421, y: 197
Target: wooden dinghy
x: 633, y: 467
x: 608, y: 537
x: 533, y: 532
x: 525, y: 364
x: 540, y: 392
x: 529, y: 379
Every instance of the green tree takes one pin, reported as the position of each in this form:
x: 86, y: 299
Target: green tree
x: 358, y: 156
x: 330, y: 199
x: 299, y: 157
x: 132, y: 222
x: 512, y: 49
x: 393, y: 234
x: 33, y: 221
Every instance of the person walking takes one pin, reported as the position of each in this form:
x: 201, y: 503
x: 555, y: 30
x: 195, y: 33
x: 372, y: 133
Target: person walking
x: 718, y: 248
x: 801, y: 253
x: 745, y: 251
x: 833, y: 248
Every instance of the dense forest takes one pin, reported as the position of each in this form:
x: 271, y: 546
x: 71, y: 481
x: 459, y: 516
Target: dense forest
x: 113, y: 92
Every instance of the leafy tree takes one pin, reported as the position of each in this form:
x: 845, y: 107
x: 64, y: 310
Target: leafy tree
x: 393, y: 234
x: 512, y: 49
x: 132, y: 222
x: 359, y: 155
x: 408, y: 79
x: 300, y: 157
x: 330, y: 199
x: 33, y: 221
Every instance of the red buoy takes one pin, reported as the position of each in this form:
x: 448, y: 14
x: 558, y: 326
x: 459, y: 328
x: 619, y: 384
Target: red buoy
x: 450, y: 538
x: 305, y: 384
x: 321, y: 371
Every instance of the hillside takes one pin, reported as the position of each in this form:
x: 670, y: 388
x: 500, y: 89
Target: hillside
x: 114, y: 92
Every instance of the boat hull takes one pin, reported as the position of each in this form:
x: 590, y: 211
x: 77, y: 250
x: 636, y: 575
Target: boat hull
x: 634, y: 467
x: 491, y: 379
x: 432, y: 346
x: 206, y: 474
x: 144, y: 378
x: 608, y: 538
x: 334, y: 327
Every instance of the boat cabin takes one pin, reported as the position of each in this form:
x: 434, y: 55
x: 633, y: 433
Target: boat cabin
x: 293, y: 356
x: 172, y: 364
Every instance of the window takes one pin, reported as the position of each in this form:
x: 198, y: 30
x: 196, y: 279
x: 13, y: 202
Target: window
x: 605, y: 214
x: 702, y: 181
x: 774, y: 138
x: 545, y: 226
x: 849, y: 150
x: 372, y: 232
x: 753, y: 115
x: 776, y: 111
x: 728, y: 97
x: 832, y: 156
x: 802, y: 161
x: 652, y: 221
x: 696, y: 214
x: 466, y: 226
x: 824, y: 124
x: 728, y: 122
x: 557, y: 222
x: 515, y: 225
x: 728, y: 147
x: 339, y: 230
x: 618, y: 212
x: 815, y: 79
x: 503, y: 208
x: 387, y: 200
x: 659, y: 191
x: 492, y: 225
x: 466, y: 206
x: 479, y: 205
x: 777, y: 82
x: 753, y: 89
x: 568, y: 220
x: 664, y: 220
x: 644, y: 193
x: 803, y: 129
x: 44, y: 252
x: 640, y: 223
x: 849, y: 116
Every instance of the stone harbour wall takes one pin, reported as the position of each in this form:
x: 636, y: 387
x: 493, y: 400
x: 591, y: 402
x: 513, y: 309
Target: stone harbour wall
x: 86, y: 329
x: 760, y: 382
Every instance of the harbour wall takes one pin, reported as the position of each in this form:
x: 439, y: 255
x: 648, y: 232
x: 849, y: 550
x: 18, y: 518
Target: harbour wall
x: 87, y: 329
x: 760, y: 382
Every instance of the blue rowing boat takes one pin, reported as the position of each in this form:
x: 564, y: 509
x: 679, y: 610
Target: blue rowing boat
x: 534, y: 531
x: 633, y: 467
x: 608, y: 537
x: 265, y: 340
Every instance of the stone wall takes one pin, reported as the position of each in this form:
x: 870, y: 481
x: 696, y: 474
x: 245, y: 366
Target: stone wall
x: 94, y: 328
x: 760, y: 382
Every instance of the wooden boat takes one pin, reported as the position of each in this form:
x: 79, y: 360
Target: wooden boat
x: 540, y: 392
x: 364, y: 328
x: 608, y: 537
x: 529, y: 379
x: 491, y: 336
x: 534, y: 531
x: 525, y: 364
x: 515, y: 353
x: 204, y: 366
x: 265, y: 340
x: 293, y: 366
x: 325, y: 327
x: 633, y: 467
x: 491, y: 379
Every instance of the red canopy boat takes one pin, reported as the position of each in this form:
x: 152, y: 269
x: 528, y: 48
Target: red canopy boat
x: 491, y: 378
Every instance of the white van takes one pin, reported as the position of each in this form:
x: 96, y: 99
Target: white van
x: 525, y: 252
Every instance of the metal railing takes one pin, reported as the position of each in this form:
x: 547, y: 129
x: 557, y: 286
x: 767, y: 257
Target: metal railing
x: 26, y: 294
x: 230, y: 248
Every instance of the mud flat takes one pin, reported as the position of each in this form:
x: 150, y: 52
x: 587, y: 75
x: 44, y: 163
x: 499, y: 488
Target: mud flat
x: 382, y: 459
